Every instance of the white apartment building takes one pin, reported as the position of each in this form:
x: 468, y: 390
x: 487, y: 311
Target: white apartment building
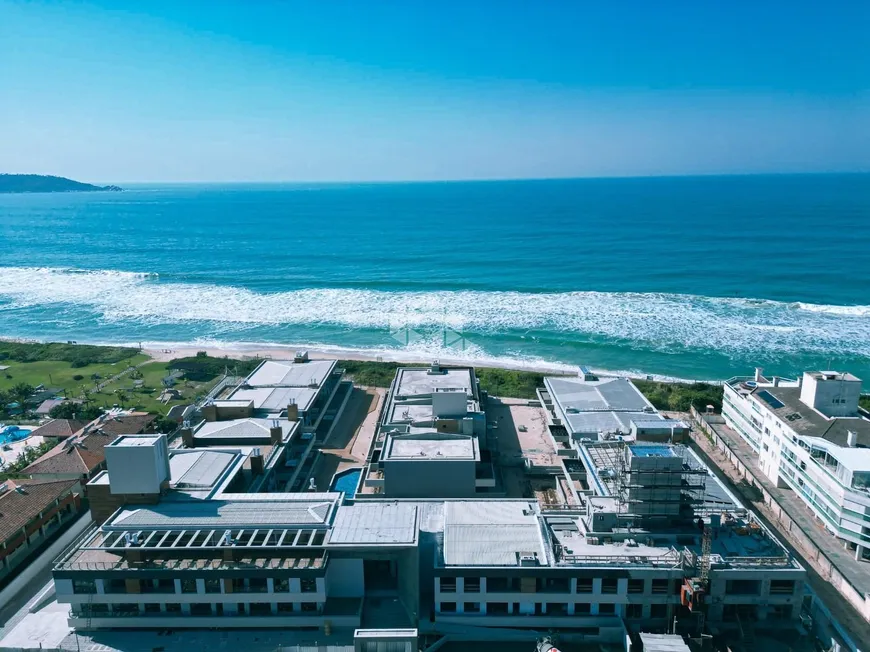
x: 811, y: 436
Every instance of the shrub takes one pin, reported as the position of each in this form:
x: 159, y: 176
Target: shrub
x: 78, y: 377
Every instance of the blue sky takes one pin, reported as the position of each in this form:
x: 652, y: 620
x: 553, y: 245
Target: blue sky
x: 297, y: 91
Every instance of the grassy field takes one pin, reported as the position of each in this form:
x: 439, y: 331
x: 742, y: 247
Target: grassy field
x: 58, y: 374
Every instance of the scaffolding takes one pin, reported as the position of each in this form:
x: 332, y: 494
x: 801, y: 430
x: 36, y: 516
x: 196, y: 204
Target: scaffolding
x: 649, y: 482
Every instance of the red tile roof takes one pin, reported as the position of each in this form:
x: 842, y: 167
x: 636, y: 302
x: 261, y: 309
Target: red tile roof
x: 19, y: 506
x: 60, y: 428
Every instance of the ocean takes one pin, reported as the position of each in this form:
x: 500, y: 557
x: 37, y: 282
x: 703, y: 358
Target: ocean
x: 693, y: 277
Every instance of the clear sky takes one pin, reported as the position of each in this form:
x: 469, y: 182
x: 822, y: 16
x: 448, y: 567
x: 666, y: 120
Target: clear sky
x: 378, y: 90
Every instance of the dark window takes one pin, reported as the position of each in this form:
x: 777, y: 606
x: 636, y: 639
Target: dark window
x: 609, y: 585
x: 472, y: 585
x: 188, y: 586
x: 780, y: 612
x: 99, y: 609
x: 781, y: 587
x: 660, y: 587
x: 634, y: 611
x: 309, y: 585
x: 584, y: 585
x: 309, y: 606
x: 636, y: 586
x: 607, y: 608
x: 556, y: 585
x: 448, y: 585
x: 126, y: 608
x: 471, y: 607
x: 114, y: 586
x: 173, y: 608
x: 219, y: 609
x: 497, y: 608
x: 557, y: 608
x: 258, y: 585
x: 743, y: 587
x: 281, y: 585
x: 241, y: 606
x: 260, y: 609
x: 448, y: 607
x: 85, y: 586
x: 152, y: 608
x: 658, y: 611
x: 582, y: 608
x: 200, y: 609
x: 285, y: 607
x: 212, y: 585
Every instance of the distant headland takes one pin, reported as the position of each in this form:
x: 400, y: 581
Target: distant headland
x: 45, y: 183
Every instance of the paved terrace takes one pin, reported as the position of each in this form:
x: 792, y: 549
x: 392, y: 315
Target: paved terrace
x: 829, y: 566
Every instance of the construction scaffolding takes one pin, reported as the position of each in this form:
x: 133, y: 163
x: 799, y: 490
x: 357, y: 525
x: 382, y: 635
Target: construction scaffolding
x: 650, y: 482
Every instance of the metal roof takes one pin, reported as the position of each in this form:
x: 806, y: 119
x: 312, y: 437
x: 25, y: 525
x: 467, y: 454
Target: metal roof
x: 491, y: 533
x: 375, y: 523
x: 243, y: 429
x: 276, y: 398
x: 199, y: 468
x: 286, y: 373
x: 224, y: 514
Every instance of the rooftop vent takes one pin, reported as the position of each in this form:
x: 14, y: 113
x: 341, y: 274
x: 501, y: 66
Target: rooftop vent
x: 528, y: 558
x: 851, y: 439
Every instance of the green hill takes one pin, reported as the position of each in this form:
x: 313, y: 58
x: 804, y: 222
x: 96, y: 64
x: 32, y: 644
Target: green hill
x: 45, y: 183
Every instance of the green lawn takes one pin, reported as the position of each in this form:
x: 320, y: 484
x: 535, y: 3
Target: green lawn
x: 146, y: 397
x: 61, y: 375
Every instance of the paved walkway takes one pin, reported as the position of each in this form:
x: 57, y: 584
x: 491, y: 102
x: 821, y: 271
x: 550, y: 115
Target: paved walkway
x: 794, y: 508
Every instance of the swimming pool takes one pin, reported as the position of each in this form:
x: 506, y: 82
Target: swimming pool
x: 10, y: 434
x: 346, y: 482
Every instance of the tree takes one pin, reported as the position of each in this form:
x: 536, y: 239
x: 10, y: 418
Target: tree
x: 165, y: 425
x: 71, y: 410
x: 22, y: 392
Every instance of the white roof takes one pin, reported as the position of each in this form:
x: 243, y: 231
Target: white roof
x: 491, y: 533
x: 375, y: 523
x: 276, y: 398
x: 286, y: 373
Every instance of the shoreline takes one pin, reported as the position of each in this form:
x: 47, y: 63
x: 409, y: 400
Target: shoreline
x: 166, y: 351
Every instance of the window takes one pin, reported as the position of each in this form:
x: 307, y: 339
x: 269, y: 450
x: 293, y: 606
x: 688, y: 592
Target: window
x: 84, y: 586
x: 173, y: 608
x: 308, y: 606
x: 281, y: 585
x: 607, y: 608
x: 188, y: 586
x: 261, y: 609
x: 212, y: 585
x: 636, y: 586
x: 115, y: 586
x: 582, y: 608
x: 609, y: 585
x: 448, y: 608
x: 556, y: 585
x: 258, y: 585
x: 584, y: 585
x: 743, y: 587
x: 472, y: 585
x: 126, y: 608
x: 200, y: 609
x: 557, y: 608
x: 448, y: 585
x: 634, y: 611
x: 285, y: 607
x: 781, y: 587
x: 471, y: 607
x: 152, y: 608
x: 219, y: 609
x: 658, y: 611
x: 241, y: 606
x: 497, y: 608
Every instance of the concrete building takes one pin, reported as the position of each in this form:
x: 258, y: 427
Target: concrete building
x: 811, y: 436
x: 589, y: 407
x: 195, y: 539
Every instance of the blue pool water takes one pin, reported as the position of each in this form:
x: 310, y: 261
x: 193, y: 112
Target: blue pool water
x: 346, y: 481
x: 13, y: 433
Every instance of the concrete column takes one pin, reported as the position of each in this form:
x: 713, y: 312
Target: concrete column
x: 295, y: 585
x: 270, y: 587
x: 200, y: 586
x: 177, y: 586
x: 185, y: 608
x: 460, y: 585
x: 482, y: 586
x: 596, y: 587
x: 101, y: 586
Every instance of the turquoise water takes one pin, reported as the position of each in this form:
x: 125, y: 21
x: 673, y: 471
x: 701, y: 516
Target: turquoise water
x: 698, y: 277
x: 10, y: 434
x: 346, y: 482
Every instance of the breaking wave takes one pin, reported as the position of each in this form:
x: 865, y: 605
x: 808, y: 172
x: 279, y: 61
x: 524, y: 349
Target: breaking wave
x: 657, y: 321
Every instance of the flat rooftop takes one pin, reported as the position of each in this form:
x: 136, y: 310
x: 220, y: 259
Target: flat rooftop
x: 136, y: 440
x: 200, y: 468
x: 434, y: 446
x: 286, y: 373
x: 419, y: 381
x: 375, y: 523
x: 276, y: 399
x: 787, y: 405
x: 491, y: 533
x: 651, y: 451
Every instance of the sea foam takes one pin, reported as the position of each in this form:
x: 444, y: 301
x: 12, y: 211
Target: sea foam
x: 654, y: 321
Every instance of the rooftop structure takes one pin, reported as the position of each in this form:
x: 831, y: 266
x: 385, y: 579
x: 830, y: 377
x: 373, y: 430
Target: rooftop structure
x: 604, y: 408
x: 810, y: 435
